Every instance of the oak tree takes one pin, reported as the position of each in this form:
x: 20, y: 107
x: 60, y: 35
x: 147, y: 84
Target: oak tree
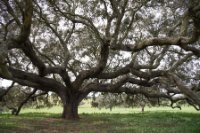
x: 74, y: 47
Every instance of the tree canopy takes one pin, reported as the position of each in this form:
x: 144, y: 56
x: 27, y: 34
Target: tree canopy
x: 74, y: 47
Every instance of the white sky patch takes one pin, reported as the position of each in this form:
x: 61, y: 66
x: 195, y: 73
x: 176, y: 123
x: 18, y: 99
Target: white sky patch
x: 125, y: 54
x: 85, y: 59
x: 5, y: 83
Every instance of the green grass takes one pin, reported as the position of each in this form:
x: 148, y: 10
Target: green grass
x: 120, y: 120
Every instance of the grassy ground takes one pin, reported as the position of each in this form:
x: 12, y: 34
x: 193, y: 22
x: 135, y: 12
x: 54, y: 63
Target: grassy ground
x: 120, y: 120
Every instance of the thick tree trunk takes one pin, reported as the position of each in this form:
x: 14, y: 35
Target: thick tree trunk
x: 70, y: 105
x: 70, y: 110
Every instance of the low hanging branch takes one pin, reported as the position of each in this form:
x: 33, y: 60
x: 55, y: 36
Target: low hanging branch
x: 4, y: 93
x: 187, y: 91
x: 25, y: 101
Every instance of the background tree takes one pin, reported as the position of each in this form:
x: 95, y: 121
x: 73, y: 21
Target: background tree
x: 72, y: 48
x: 110, y: 100
x: 15, y: 97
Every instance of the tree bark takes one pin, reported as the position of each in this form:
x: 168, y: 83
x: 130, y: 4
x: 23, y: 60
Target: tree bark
x: 70, y: 104
x: 70, y: 110
x: 25, y: 101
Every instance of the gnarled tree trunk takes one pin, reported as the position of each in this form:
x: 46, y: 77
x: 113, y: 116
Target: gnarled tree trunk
x: 70, y: 104
x: 70, y: 110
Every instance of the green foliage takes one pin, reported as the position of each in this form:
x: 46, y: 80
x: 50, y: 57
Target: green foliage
x: 47, y: 100
x: 13, y: 98
x: 110, y: 100
x: 18, y: 94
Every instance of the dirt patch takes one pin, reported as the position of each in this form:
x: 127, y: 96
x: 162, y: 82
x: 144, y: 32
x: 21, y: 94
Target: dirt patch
x: 55, y: 125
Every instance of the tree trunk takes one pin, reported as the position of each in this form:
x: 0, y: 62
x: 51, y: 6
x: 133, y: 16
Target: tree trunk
x: 70, y: 105
x: 142, y: 109
x: 70, y: 110
x: 25, y: 101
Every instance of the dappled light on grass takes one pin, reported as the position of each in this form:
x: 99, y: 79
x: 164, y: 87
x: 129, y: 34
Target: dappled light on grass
x: 148, y: 122
x: 120, y: 120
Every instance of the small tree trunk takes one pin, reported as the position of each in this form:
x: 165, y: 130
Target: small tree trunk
x: 142, y: 106
x: 25, y: 101
x: 110, y: 108
x: 142, y: 109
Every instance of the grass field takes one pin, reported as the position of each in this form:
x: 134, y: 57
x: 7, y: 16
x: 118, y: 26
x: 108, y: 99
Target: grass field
x: 120, y: 120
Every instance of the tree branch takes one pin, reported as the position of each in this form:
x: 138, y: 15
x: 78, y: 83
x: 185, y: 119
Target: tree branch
x: 6, y: 91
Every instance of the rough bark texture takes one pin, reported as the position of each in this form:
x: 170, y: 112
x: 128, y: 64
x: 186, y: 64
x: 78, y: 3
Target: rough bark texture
x: 70, y: 101
x: 70, y: 110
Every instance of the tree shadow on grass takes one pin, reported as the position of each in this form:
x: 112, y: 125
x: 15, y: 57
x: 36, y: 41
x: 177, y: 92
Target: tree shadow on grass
x: 41, y: 114
x: 155, y: 122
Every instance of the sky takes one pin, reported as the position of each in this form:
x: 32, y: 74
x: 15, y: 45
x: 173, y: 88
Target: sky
x: 5, y: 83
